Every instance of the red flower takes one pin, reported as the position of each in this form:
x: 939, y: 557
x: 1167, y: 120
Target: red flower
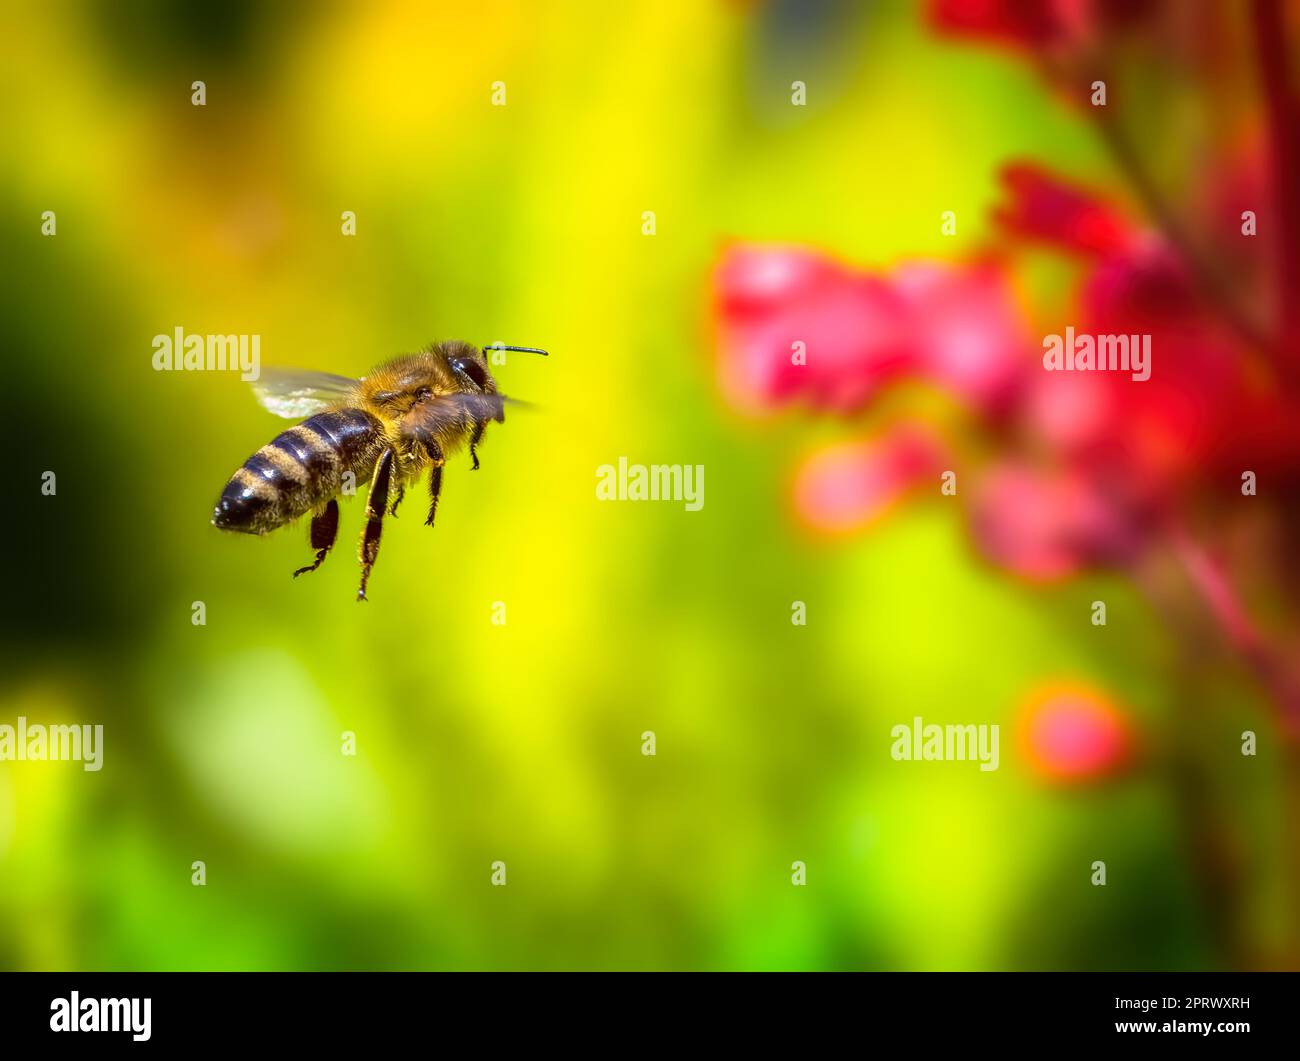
x: 965, y: 331
x: 1043, y: 207
x: 1023, y: 23
x: 1071, y: 733
x: 1041, y: 25
x: 846, y: 487
x: 797, y: 325
x: 1046, y: 526
x: 1084, y: 467
x: 1088, y: 466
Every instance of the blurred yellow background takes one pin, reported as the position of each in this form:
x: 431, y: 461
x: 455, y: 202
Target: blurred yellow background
x: 523, y: 743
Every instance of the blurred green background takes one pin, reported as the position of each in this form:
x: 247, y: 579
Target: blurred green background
x: 522, y: 742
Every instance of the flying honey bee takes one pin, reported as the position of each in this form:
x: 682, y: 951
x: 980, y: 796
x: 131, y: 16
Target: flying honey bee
x: 409, y: 414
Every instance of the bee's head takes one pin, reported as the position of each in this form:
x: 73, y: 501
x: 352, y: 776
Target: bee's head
x: 466, y: 361
x: 466, y: 367
x: 452, y: 367
x: 470, y: 365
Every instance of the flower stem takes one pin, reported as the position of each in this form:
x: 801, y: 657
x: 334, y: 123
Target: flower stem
x: 1232, y: 617
x: 1209, y: 278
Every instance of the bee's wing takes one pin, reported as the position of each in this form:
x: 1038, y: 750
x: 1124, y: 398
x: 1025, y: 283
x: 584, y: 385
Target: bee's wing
x: 454, y: 411
x: 295, y: 393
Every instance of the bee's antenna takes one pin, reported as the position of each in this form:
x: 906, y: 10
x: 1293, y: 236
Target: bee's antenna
x: 516, y: 349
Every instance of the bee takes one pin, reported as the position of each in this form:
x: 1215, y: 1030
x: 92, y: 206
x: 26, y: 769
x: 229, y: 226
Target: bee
x: 408, y: 415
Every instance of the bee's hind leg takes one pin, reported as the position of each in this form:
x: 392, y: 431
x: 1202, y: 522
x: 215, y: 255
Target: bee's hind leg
x: 324, y: 529
x: 376, y: 506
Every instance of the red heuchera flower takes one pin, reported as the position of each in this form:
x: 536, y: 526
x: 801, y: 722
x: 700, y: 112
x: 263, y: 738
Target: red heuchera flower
x: 1037, y: 25
x: 1099, y: 455
x: 965, y: 332
x: 1044, y: 208
x: 771, y: 299
x: 1074, y: 734
x: 1076, y: 468
x: 1045, y: 526
x: 796, y: 325
x: 1022, y: 23
x: 847, y: 487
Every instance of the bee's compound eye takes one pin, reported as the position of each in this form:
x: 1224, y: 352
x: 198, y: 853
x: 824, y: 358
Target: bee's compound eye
x: 475, y: 371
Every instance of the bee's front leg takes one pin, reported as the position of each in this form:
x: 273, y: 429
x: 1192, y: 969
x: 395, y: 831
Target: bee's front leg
x: 437, y: 459
x: 475, y: 439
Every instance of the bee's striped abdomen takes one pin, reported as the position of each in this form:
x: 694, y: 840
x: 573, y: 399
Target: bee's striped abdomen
x: 299, y: 469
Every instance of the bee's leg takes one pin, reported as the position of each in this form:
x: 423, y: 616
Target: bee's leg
x: 324, y: 529
x: 475, y: 439
x: 435, y: 480
x: 376, y: 505
x: 401, y: 493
